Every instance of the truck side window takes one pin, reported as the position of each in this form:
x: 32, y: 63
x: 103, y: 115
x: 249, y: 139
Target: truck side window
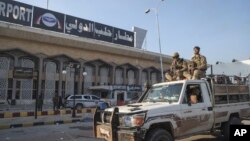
x: 193, y: 94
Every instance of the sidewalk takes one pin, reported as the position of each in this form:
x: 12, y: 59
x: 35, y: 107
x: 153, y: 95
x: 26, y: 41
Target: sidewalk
x: 23, y: 107
x: 12, y: 116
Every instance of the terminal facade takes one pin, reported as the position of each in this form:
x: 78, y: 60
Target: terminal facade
x: 57, y: 63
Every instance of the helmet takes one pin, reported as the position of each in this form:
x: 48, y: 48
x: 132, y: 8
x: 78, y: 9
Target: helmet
x: 176, y: 55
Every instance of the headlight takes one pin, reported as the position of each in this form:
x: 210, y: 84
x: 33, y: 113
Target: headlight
x: 133, y: 120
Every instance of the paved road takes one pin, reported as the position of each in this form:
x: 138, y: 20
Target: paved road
x: 80, y: 131
x: 61, y: 132
x: 209, y: 137
x: 67, y: 132
x: 204, y: 137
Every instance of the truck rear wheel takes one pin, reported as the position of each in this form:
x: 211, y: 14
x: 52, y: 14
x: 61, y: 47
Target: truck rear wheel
x: 226, y: 126
x: 159, y: 135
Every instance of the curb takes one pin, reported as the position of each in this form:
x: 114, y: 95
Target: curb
x: 44, y: 113
x: 29, y: 124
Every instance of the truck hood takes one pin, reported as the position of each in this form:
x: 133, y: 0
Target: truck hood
x: 146, y: 106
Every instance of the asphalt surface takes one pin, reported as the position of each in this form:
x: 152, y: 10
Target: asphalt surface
x: 61, y: 132
x: 78, y: 131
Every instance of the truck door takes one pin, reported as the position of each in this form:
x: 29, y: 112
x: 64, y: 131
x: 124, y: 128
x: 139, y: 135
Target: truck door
x: 196, y: 113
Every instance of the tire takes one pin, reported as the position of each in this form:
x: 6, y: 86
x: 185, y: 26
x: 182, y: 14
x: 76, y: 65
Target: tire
x: 79, y: 106
x: 226, y: 127
x: 159, y: 135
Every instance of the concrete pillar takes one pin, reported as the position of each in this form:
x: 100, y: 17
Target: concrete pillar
x: 13, y: 96
x: 60, y: 77
x: 96, y: 74
x: 125, y: 76
x: 40, y: 73
x: 149, y: 77
x: 113, y: 75
x: 139, y: 76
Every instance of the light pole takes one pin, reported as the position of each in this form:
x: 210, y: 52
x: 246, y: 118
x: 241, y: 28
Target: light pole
x: 74, y: 101
x: 159, y: 38
x: 84, y: 74
x: 47, y: 4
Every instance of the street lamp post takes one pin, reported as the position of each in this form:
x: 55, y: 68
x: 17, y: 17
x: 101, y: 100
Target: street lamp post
x: 74, y: 100
x: 159, y: 38
x: 47, y: 4
x: 65, y: 72
x: 76, y: 67
x: 84, y: 75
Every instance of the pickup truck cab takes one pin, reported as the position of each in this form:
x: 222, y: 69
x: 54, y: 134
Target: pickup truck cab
x: 173, y: 110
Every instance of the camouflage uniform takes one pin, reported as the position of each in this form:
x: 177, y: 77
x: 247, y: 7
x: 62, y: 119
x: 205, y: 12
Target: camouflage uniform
x: 200, y: 66
x: 178, y: 70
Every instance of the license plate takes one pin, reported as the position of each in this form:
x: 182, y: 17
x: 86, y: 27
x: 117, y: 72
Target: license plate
x: 104, y: 132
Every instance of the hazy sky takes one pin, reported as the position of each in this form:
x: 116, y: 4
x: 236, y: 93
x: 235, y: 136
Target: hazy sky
x: 220, y: 27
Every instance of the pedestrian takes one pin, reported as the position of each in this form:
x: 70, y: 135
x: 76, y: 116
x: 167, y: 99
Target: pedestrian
x: 178, y: 69
x: 147, y: 86
x: 60, y: 102
x: 200, y: 64
x: 40, y: 103
x: 9, y: 99
x: 55, y: 102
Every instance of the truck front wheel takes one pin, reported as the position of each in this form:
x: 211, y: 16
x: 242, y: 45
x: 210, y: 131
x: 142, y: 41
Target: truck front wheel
x: 226, y: 126
x: 159, y: 135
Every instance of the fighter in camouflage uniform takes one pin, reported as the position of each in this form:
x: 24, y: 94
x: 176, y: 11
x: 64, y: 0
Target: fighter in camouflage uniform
x: 200, y: 64
x: 178, y: 69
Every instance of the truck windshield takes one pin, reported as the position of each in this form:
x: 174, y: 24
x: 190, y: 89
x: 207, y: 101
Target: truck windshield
x: 165, y: 93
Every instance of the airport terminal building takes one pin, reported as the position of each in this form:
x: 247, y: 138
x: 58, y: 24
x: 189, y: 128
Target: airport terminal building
x: 43, y: 53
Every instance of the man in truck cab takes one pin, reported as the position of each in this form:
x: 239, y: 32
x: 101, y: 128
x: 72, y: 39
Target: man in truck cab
x: 178, y: 69
x: 194, y: 94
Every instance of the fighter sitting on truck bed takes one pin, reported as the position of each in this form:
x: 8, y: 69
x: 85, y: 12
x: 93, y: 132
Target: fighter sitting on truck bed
x: 169, y: 110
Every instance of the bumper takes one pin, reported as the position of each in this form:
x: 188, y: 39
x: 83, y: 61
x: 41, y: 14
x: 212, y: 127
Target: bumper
x: 106, y: 132
x: 125, y: 135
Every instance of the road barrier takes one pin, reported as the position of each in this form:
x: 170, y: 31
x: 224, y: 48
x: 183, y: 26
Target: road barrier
x: 45, y: 113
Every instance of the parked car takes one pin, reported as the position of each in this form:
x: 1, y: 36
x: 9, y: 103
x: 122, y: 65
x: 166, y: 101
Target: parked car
x: 85, y: 101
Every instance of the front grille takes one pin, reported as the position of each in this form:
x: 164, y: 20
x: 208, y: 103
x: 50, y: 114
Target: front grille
x: 121, y: 120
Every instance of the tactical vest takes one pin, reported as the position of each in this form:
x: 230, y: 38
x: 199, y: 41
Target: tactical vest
x: 197, y: 60
x: 178, y: 64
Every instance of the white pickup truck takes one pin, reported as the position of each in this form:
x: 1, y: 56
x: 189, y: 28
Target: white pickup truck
x: 172, y: 110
